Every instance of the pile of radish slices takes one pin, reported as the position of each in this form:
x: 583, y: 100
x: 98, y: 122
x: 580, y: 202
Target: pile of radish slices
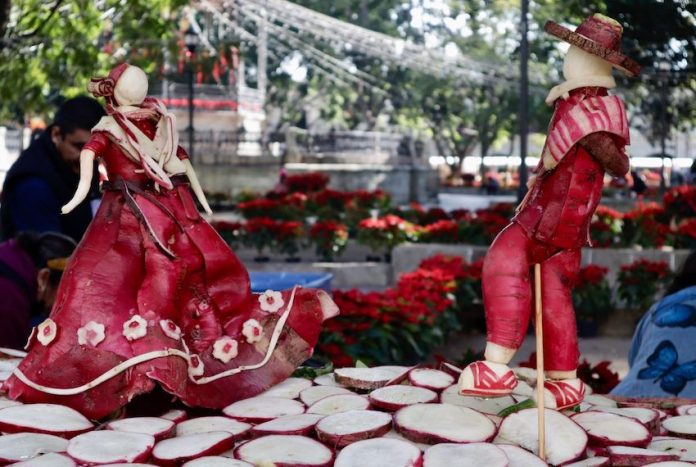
x: 387, y: 416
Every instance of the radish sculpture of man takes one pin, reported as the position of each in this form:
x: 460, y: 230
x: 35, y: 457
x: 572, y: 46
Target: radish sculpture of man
x: 586, y: 138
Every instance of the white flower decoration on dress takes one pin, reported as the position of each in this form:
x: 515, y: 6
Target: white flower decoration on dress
x: 91, y: 333
x: 196, y: 367
x: 135, y: 328
x: 170, y: 329
x: 252, y: 330
x: 225, y: 349
x: 271, y: 301
x: 47, y: 331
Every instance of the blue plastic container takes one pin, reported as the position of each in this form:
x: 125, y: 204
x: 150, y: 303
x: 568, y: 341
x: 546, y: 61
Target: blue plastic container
x: 262, y: 281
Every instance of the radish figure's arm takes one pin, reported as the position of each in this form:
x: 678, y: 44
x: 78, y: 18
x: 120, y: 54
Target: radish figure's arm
x: 86, y: 173
x: 196, y: 186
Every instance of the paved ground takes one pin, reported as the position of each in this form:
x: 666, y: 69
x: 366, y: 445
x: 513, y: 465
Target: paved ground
x: 596, y: 349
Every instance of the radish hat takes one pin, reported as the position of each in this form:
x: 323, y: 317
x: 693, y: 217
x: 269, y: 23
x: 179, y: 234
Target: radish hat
x: 600, y: 36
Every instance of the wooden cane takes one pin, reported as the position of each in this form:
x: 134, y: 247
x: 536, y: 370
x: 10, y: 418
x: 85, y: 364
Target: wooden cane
x: 540, y: 361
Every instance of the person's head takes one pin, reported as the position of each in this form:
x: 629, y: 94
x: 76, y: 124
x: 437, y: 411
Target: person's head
x: 49, y: 252
x: 686, y: 277
x: 71, y: 127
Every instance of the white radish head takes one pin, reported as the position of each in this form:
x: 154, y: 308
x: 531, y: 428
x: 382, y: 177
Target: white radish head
x: 131, y: 87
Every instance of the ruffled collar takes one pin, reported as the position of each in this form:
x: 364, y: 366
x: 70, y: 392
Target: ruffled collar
x: 563, y: 89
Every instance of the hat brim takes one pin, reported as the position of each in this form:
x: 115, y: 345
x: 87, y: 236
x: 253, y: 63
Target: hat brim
x: 626, y: 65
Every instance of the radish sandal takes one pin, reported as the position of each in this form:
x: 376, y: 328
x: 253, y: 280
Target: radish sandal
x: 563, y: 394
x: 487, y: 379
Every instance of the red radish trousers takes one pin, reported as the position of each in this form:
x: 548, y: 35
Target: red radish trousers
x: 508, y: 295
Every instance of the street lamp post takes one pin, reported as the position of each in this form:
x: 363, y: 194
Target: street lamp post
x: 664, y: 126
x: 191, y: 41
x: 523, y: 116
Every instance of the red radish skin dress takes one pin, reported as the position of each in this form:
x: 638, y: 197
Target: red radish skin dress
x: 152, y: 281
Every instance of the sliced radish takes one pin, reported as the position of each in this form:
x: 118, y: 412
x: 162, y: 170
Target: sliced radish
x: 599, y: 461
x: 670, y: 464
x: 686, y: 409
x: 607, y: 429
x: 289, y: 389
x: 175, y: 415
x: 327, y: 380
x: 528, y: 375
x: 626, y: 455
x: 216, y: 461
x: 449, y: 454
x: 393, y: 434
x: 683, y: 426
x: 104, y: 447
x: 301, y: 424
x: 196, y: 426
x: 398, y: 396
x: 155, y: 426
x: 261, y: 409
x: 595, y: 399
x: 565, y: 440
x: 491, y: 405
x: 428, y: 378
x: 341, y: 429
x: 8, y: 403
x: 129, y: 464
x: 283, y: 450
x: 433, y: 423
x: 365, y: 378
x: 310, y: 395
x: 174, y: 451
x: 51, y: 459
x: 23, y: 446
x: 523, y: 390
x: 518, y: 457
x: 339, y: 403
x: 379, y: 452
x: 51, y: 419
x: 648, y: 417
x: 684, y: 448
x: 450, y: 369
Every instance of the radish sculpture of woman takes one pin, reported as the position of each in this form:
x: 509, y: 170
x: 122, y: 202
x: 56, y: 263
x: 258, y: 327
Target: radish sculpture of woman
x: 586, y: 138
x: 153, y: 295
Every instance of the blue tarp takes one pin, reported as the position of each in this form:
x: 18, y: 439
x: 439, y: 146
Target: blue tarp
x: 262, y: 281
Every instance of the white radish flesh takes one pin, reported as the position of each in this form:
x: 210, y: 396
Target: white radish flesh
x: 683, y: 426
x: 155, y: 426
x: 518, y: 457
x: 289, y: 389
x: 491, y: 405
x: 595, y: 399
x: 196, y: 426
x: 281, y: 450
x: 393, y: 434
x: 626, y: 455
x: 104, y: 447
x: 43, y: 418
x: 339, y: 403
x: 686, y: 409
x: 565, y: 440
x: 607, y: 429
x: 684, y: 448
x: 8, y: 403
x: 216, y: 461
x: 51, y: 459
x: 262, y: 409
x: 670, y: 464
x: 311, y: 395
x: 175, y: 415
x: 174, y: 451
x: 340, y: 430
x: 327, y: 380
x: 379, y: 452
x: 302, y: 424
x: 434, y: 380
x: 433, y: 423
x: 398, y: 396
x: 599, y: 461
x: 24, y: 446
x: 449, y: 454
x: 364, y: 378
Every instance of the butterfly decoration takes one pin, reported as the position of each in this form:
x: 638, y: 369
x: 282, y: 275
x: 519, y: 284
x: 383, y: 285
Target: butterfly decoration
x: 663, y: 366
x: 681, y: 314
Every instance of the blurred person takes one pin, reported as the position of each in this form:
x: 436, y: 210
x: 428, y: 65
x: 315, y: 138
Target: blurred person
x: 31, y: 266
x: 639, y: 186
x: 46, y: 175
x: 662, y: 357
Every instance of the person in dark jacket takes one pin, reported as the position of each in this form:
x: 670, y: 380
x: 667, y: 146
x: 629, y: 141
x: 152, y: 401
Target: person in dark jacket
x: 662, y: 357
x: 31, y: 266
x: 46, y: 175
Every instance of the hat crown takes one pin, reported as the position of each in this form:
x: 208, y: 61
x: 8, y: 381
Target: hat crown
x: 602, y: 30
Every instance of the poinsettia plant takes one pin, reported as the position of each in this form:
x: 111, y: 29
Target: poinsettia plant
x: 645, y: 225
x: 592, y: 294
x: 605, y: 228
x: 640, y: 281
x: 685, y: 234
x: 287, y: 237
x: 383, y: 234
x: 231, y: 232
x: 680, y: 203
x: 259, y: 233
x: 329, y: 238
x: 306, y: 182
